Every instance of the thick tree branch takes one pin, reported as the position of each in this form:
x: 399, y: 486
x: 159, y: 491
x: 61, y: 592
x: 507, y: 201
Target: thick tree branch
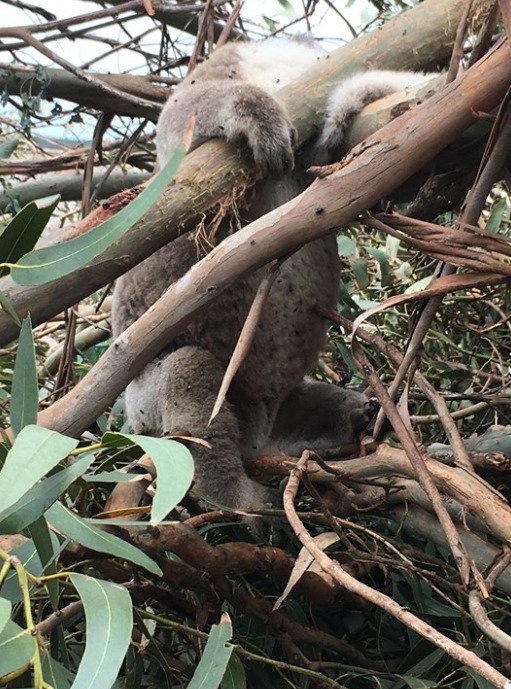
x: 210, y: 172
x: 16, y: 79
x: 69, y: 185
x: 369, y: 173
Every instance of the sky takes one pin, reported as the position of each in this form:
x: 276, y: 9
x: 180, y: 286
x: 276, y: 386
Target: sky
x: 328, y: 25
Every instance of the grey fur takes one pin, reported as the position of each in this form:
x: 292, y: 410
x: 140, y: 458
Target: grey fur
x: 269, y: 405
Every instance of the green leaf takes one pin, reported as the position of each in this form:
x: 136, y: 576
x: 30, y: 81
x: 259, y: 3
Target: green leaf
x: 17, y: 648
x: 235, y: 677
x: 174, y: 469
x: 109, y: 477
x: 52, y: 262
x: 497, y: 215
x: 383, y: 262
x: 42, y: 538
x: 346, y: 246
x: 22, y: 233
x: 5, y: 612
x: 8, y: 147
x: 41, y: 496
x: 109, y: 621
x: 419, y: 285
x: 35, y: 451
x: 361, y: 273
x: 27, y: 554
x: 426, y: 663
x: 24, y: 400
x: 55, y: 674
x: 9, y: 309
x: 90, y: 536
x: 209, y: 672
x: 416, y: 683
x: 480, y: 681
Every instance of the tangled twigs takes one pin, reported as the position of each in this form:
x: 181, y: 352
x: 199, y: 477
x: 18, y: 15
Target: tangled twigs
x: 376, y: 597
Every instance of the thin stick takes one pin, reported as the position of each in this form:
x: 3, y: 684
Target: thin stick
x: 376, y: 597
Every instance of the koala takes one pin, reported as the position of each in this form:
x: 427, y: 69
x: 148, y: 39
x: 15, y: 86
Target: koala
x: 270, y: 406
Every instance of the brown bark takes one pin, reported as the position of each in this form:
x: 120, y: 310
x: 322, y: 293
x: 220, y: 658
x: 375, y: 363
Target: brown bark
x: 369, y: 173
x: 16, y: 79
x: 211, y: 171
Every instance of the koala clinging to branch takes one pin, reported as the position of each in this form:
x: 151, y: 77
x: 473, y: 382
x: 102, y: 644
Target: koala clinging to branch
x: 234, y: 96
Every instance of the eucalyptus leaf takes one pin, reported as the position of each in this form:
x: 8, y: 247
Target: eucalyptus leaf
x: 52, y: 262
x: 8, y: 147
x: 77, y: 529
x: 383, y: 263
x: 17, y: 648
x: 56, y: 674
x: 360, y: 271
x: 27, y: 554
x: 480, y: 682
x: 42, y: 538
x: 211, y: 668
x: 498, y: 213
x: 174, y: 469
x: 346, y: 246
x: 114, y: 476
x: 419, y: 285
x: 5, y: 612
x: 24, y: 394
x: 234, y: 677
x: 39, y: 498
x: 9, y: 309
x: 22, y: 233
x: 109, y: 621
x: 35, y: 451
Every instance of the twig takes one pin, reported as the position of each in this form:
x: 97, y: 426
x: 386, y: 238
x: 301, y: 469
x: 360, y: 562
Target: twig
x: 229, y: 25
x: 496, y: 152
x: 416, y: 459
x: 26, y: 36
x: 377, y: 598
x: 58, y: 617
x: 485, y: 624
x: 247, y: 335
x: 457, y: 51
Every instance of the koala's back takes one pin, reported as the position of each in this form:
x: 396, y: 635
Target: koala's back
x: 290, y: 333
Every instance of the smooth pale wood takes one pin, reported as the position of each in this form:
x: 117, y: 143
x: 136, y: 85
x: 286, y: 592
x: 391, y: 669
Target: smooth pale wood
x: 373, y: 170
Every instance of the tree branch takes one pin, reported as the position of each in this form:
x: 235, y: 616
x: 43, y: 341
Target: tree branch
x: 69, y: 185
x: 213, y: 170
x: 369, y: 173
x: 16, y: 79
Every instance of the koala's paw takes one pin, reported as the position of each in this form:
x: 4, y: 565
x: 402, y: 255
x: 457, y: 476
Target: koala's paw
x: 272, y: 148
x: 362, y: 412
x: 264, y: 124
x: 254, y: 496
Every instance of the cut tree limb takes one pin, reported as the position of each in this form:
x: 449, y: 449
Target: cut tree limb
x: 209, y: 173
x: 370, y: 172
